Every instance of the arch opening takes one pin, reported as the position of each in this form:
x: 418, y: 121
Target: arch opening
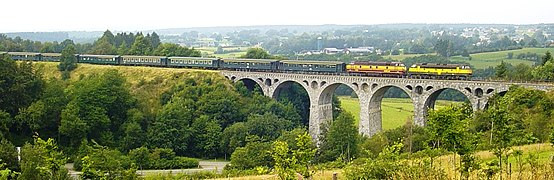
x: 444, y: 97
x: 343, y: 98
x: 295, y: 94
x: 251, y: 85
x: 390, y: 107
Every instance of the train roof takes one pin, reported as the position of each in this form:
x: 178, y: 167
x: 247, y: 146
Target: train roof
x: 250, y: 60
x: 438, y: 65
x: 51, y: 54
x: 375, y: 63
x: 201, y: 58
x: 311, y: 62
x: 23, y: 53
x: 100, y: 56
x: 143, y: 56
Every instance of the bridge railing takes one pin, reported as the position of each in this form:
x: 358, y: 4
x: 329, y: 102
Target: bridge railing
x: 476, y: 79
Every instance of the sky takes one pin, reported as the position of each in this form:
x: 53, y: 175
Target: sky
x: 123, y: 15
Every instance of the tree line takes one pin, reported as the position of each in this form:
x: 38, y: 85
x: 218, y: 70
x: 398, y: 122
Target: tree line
x: 107, y: 44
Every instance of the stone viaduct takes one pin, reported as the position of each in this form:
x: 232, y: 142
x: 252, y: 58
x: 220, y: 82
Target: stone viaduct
x: 370, y: 91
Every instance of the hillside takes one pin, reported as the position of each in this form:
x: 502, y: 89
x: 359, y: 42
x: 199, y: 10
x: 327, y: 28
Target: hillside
x: 146, y: 83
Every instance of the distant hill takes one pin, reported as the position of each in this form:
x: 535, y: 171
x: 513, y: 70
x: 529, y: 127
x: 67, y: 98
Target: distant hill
x: 76, y: 36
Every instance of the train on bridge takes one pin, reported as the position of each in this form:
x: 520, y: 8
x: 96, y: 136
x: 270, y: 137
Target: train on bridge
x: 385, y: 69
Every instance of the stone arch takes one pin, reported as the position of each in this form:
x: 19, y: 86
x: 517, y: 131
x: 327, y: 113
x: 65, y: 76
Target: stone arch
x: 326, y: 95
x: 251, y: 83
x: 268, y: 82
x: 433, y: 96
x: 370, y: 114
x: 285, y: 84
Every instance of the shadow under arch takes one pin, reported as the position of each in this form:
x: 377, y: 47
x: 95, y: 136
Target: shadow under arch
x: 295, y: 93
x: 251, y: 84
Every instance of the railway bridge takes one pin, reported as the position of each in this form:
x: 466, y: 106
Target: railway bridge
x: 370, y: 92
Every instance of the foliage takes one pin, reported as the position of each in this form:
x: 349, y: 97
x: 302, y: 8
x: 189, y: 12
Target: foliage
x: 8, y: 155
x: 257, y: 53
x: 169, y: 49
x: 20, y: 85
x: 284, y: 160
x: 341, y: 139
x: 103, y: 163
x: 254, y: 154
x: 97, y: 109
x: 385, y: 166
x: 42, y: 160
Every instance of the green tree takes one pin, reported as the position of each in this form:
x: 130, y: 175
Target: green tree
x: 254, y: 154
x: 103, y: 46
x: 97, y: 108
x: 547, y: 57
x: 141, y: 46
x: 501, y: 70
x: 207, y: 134
x: 233, y: 137
x: 42, y: 160
x: 170, y: 49
x: 68, y: 61
x: 154, y: 40
x: 123, y: 49
x: 103, y: 163
x: 304, y: 154
x: 285, y: 162
x: 172, y: 128
x: 20, y: 85
x: 8, y: 155
x: 443, y: 47
x: 341, y: 140
x: 257, y: 53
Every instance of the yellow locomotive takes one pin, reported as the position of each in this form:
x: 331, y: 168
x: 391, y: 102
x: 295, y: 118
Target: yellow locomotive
x: 377, y: 68
x: 448, y: 71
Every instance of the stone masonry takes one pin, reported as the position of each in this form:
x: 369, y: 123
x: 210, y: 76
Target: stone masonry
x: 370, y: 91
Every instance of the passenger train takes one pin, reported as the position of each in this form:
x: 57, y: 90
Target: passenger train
x: 384, y: 69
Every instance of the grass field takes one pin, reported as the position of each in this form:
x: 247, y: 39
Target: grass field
x: 484, y: 60
x: 210, y: 52
x: 395, y: 111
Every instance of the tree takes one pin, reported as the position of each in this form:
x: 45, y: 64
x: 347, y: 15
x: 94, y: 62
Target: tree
x: 141, y: 46
x: 170, y: 49
x: 175, y: 119
x: 255, y: 153
x: 304, y: 154
x: 123, y: 49
x: 42, y: 160
x: 547, y: 57
x: 284, y: 160
x: 20, y: 85
x: 103, y: 163
x: 103, y: 46
x: 257, y: 53
x: 68, y: 61
x: 341, y: 139
x: 465, y: 53
x: 207, y: 134
x: 8, y: 155
x: 154, y: 40
x: 501, y: 70
x: 443, y: 47
x: 97, y: 108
